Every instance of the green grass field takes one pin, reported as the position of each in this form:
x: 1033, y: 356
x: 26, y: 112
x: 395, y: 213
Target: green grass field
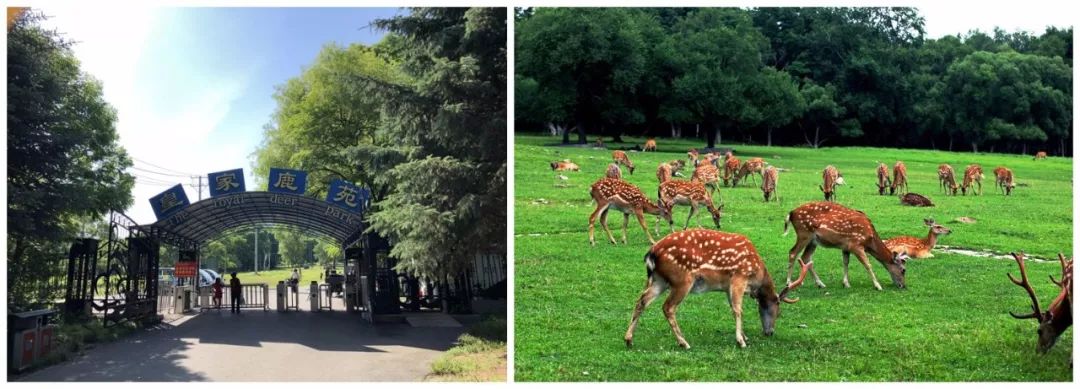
x: 573, y: 302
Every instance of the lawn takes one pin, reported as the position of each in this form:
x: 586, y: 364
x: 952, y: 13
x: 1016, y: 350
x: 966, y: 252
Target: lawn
x: 573, y: 302
x: 271, y: 277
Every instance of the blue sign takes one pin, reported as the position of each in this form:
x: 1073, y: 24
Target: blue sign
x: 348, y: 196
x: 169, y: 202
x: 226, y: 182
x: 287, y: 181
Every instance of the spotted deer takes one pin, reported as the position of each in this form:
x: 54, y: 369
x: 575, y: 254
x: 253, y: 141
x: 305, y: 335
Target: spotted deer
x: 915, y: 247
x: 768, y: 183
x: 708, y: 174
x: 626, y: 198
x: 1058, y: 316
x: 693, y: 155
x: 692, y: 193
x: 564, y: 165
x: 899, y: 178
x: 751, y: 166
x: 613, y: 171
x: 698, y: 261
x: 731, y: 167
x: 831, y: 178
x: 663, y: 172
x: 650, y: 145
x: 883, y: 180
x: 836, y: 226
x: 973, y: 175
x: 947, y: 179
x: 620, y: 157
x: 1004, y: 179
x: 1039, y: 155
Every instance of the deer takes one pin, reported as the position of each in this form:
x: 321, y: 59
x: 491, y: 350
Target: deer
x: 836, y: 226
x: 707, y: 174
x: 915, y: 200
x: 564, y: 165
x: 768, y: 182
x: 693, y: 155
x: 899, y: 178
x: 625, y: 197
x: 972, y: 174
x: 663, y: 172
x: 1039, y: 155
x: 620, y: 158
x: 915, y: 247
x: 751, y: 166
x: 1058, y: 316
x: 613, y: 171
x: 731, y: 167
x: 698, y: 261
x: 947, y: 179
x: 650, y: 145
x: 883, y: 180
x: 1004, y: 179
x: 692, y: 193
x: 831, y: 178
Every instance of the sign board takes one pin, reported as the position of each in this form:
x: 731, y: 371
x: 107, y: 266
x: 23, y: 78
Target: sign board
x: 186, y: 264
x: 287, y: 181
x: 169, y: 202
x: 348, y: 196
x: 226, y: 182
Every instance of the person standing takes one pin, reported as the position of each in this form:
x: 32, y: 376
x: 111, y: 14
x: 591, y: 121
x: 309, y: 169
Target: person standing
x: 235, y: 293
x: 218, y: 285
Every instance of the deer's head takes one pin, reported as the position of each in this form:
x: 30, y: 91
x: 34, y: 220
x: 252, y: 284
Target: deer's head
x: 1058, y: 317
x: 935, y: 228
x: 898, y: 269
x: 769, y: 300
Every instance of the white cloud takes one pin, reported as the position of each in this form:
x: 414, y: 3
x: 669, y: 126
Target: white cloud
x: 951, y: 18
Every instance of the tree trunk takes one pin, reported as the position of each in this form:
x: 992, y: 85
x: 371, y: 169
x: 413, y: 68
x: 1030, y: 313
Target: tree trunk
x: 1024, y: 152
x: 566, y: 136
x: 991, y: 148
x: 950, y: 142
x: 817, y: 136
x: 719, y: 137
x: 1061, y: 142
x: 710, y: 136
x: 769, y: 141
x: 697, y: 131
x: 974, y: 147
x: 581, y: 132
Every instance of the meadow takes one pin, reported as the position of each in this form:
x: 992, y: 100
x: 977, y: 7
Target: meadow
x: 573, y: 301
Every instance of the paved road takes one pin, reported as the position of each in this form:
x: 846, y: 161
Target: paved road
x: 263, y: 346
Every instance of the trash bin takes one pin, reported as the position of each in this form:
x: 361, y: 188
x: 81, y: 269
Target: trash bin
x: 25, y: 337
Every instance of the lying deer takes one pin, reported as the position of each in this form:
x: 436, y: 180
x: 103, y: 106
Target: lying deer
x: 899, y: 178
x: 731, y: 167
x: 915, y: 200
x: 613, y: 171
x: 768, y: 182
x: 1004, y: 179
x: 1058, y: 316
x: 698, y: 261
x: 692, y: 193
x: 650, y: 145
x: 915, y: 247
x: 972, y: 174
x: 751, y: 166
x: 1039, y: 155
x: 831, y: 178
x: 564, y: 165
x: 883, y: 180
x: 626, y: 198
x: 947, y: 179
x: 620, y: 157
x: 836, y: 226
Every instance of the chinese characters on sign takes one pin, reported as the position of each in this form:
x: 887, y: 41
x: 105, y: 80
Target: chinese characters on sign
x: 348, y: 196
x: 287, y: 181
x: 169, y: 202
x: 226, y: 182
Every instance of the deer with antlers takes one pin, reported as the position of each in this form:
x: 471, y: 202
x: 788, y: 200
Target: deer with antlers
x: 973, y: 175
x: 831, y: 178
x: 947, y: 179
x: 1058, y: 316
x: 768, y: 183
x: 836, y: 226
x: 613, y: 171
x: 915, y: 247
x: 1003, y: 177
x: 626, y: 198
x: 1039, y: 155
x: 692, y: 193
x: 564, y: 165
x: 751, y: 166
x: 883, y: 180
x: 698, y: 261
x: 899, y: 178
x: 650, y: 145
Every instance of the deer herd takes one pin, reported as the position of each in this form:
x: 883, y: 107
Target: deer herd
x: 697, y: 260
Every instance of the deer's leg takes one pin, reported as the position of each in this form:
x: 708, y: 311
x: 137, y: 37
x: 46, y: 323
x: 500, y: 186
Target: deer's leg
x: 603, y: 223
x: 735, y: 296
x: 653, y: 289
x: 807, y: 256
x: 862, y: 258
x: 625, y: 222
x: 678, y: 293
x: 641, y: 219
x: 600, y: 206
x: 847, y: 259
x: 800, y: 244
x: 693, y: 208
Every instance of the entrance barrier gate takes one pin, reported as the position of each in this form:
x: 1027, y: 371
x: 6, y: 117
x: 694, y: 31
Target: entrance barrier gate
x: 253, y: 296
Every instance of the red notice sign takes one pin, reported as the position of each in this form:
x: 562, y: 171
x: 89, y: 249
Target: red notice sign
x: 185, y: 269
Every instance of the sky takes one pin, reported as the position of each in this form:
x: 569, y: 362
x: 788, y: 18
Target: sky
x: 193, y: 87
x: 950, y: 18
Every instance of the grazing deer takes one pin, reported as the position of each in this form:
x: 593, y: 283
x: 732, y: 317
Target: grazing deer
x: 768, y: 182
x: 915, y: 247
x: 831, y: 178
x: 698, y: 261
x: 693, y: 155
x: 620, y: 158
x: 731, y: 167
x: 707, y: 174
x: 947, y: 179
x: 626, y: 198
x: 883, y: 180
x: 692, y: 193
x: 915, y: 200
x: 899, y: 178
x: 751, y: 166
x: 1058, y: 316
x: 613, y: 171
x: 650, y: 145
x: 1039, y: 155
x: 564, y: 165
x: 972, y: 174
x: 1004, y: 179
x: 836, y: 226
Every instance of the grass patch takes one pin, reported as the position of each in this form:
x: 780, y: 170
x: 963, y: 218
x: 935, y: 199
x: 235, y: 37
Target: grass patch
x: 271, y: 277
x: 479, y: 355
x: 573, y: 302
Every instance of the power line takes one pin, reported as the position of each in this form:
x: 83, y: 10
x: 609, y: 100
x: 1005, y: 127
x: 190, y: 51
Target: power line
x: 159, y: 173
x: 164, y: 168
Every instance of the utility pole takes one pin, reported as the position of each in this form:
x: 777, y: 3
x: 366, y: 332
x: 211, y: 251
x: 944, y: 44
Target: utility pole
x: 256, y: 258
x: 198, y: 185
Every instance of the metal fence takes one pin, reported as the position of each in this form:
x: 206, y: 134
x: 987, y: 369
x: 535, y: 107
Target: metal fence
x: 253, y: 296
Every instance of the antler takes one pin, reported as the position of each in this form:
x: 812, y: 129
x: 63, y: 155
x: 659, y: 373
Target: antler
x: 1027, y: 286
x: 790, y: 287
x: 1061, y: 259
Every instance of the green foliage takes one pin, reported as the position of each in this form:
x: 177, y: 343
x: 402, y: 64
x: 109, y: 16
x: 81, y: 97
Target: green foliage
x: 65, y: 166
x: 573, y: 302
